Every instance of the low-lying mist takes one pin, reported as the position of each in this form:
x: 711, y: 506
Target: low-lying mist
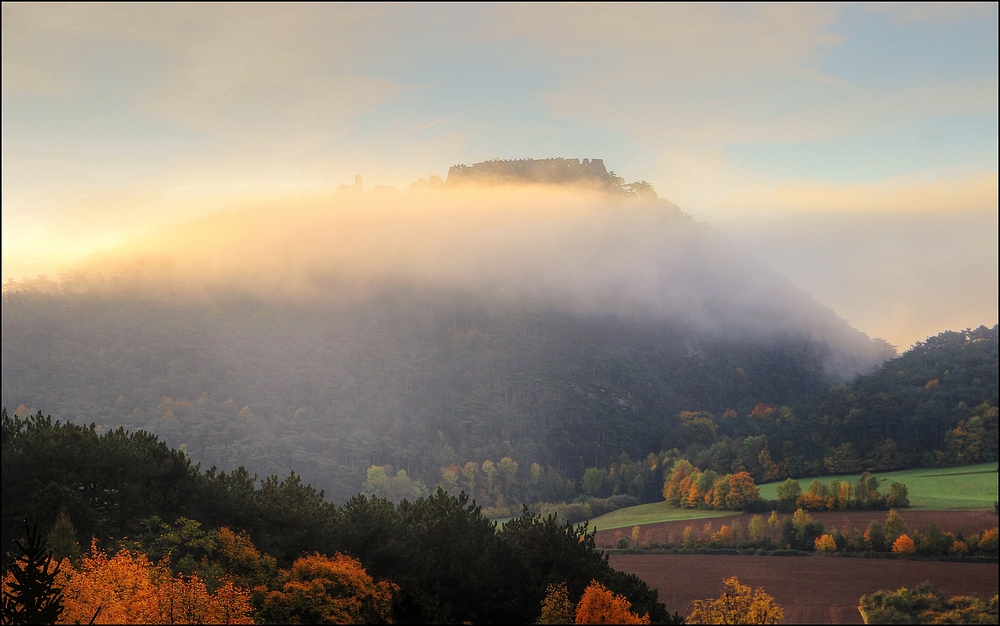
x: 567, y: 249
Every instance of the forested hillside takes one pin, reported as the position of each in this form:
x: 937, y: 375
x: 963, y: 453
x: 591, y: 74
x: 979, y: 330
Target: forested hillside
x: 414, y: 381
x: 550, y: 326
x: 934, y: 405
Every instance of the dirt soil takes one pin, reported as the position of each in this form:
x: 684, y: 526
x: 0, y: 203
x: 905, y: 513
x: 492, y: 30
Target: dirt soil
x: 816, y: 590
x: 964, y: 522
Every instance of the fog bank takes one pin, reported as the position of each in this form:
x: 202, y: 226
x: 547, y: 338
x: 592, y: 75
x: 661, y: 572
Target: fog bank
x: 557, y: 248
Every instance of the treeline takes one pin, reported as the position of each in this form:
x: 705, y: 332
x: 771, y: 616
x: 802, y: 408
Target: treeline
x: 504, y: 486
x: 799, y: 532
x: 686, y: 487
x: 451, y: 564
x: 841, y: 495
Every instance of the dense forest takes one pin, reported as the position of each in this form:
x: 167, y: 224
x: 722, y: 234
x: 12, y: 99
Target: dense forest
x: 415, y: 381
x: 511, y: 406
x: 449, y: 563
x: 934, y: 405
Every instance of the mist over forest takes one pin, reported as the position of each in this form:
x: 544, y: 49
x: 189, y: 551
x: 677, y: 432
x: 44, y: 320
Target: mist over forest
x: 559, y: 326
x: 588, y: 252
x: 336, y: 313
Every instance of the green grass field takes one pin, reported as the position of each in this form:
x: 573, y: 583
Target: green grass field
x: 969, y: 487
x: 649, y: 514
x: 963, y: 488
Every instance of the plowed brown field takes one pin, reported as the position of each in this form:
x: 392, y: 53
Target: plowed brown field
x: 965, y: 522
x: 814, y: 590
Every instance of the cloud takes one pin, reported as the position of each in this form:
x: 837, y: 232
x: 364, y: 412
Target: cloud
x: 429, y: 125
x: 924, y: 192
x: 898, y: 275
x: 246, y: 72
x: 714, y: 73
x: 573, y: 250
x: 707, y: 42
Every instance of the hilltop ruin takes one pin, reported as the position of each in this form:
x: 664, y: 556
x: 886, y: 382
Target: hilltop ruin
x: 557, y: 171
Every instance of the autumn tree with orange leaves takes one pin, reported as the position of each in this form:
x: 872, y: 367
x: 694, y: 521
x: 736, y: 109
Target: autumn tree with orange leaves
x: 686, y: 486
x: 128, y: 589
x: 736, y: 605
x: 321, y: 589
x: 599, y: 605
x: 904, y: 545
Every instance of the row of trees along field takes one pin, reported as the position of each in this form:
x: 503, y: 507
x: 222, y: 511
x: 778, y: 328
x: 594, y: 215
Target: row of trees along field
x: 450, y: 563
x: 687, y: 487
x: 799, y: 533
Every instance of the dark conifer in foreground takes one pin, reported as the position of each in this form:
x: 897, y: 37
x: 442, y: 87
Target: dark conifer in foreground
x: 33, y: 597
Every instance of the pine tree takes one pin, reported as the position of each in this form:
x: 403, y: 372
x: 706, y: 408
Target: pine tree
x: 62, y: 538
x: 29, y: 592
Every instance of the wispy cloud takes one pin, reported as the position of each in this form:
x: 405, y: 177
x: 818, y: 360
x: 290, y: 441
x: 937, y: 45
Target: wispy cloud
x: 430, y: 125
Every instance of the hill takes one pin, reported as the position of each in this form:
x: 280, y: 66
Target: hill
x: 552, y: 326
x: 934, y: 406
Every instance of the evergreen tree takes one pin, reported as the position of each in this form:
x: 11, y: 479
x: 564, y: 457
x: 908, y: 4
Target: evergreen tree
x: 63, y: 539
x: 32, y: 597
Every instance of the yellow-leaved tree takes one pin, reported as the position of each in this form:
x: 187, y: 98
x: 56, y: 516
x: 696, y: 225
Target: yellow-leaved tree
x: 600, y: 605
x: 826, y: 543
x: 736, y: 605
x: 557, y: 607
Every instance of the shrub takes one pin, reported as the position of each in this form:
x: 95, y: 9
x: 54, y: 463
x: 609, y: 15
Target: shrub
x: 988, y: 541
x: 925, y: 605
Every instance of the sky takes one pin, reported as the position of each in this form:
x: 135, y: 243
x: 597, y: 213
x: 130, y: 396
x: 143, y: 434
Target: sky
x: 852, y: 148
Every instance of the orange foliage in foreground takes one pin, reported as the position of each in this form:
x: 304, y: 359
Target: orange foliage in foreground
x: 599, y: 605
x: 129, y: 589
